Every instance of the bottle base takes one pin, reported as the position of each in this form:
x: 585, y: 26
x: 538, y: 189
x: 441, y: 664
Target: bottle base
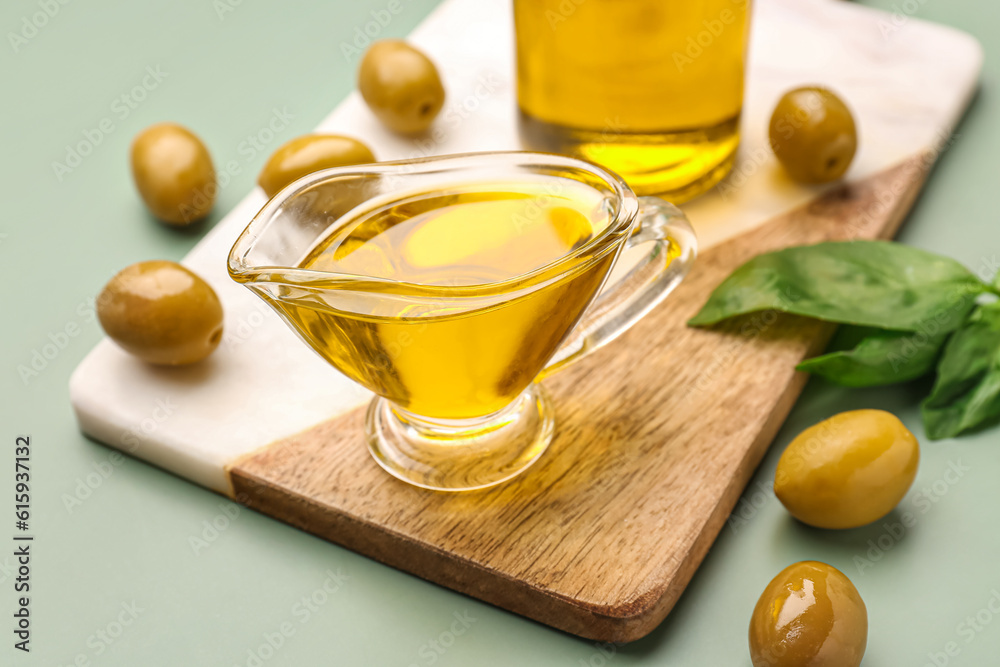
x: 677, y: 166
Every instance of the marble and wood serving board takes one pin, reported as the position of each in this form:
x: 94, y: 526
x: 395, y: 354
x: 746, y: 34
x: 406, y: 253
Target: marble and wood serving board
x: 657, y: 433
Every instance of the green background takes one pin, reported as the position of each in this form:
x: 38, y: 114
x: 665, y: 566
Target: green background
x: 129, y: 541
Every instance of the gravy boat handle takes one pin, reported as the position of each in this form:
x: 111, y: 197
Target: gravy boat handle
x: 625, y: 299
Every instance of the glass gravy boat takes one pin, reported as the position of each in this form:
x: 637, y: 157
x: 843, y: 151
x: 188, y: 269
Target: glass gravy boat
x: 455, y: 361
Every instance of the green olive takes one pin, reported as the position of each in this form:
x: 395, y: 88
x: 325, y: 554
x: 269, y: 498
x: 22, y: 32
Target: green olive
x: 848, y: 470
x: 173, y: 172
x: 813, y: 135
x: 308, y: 153
x: 810, y: 615
x: 161, y: 312
x: 401, y: 86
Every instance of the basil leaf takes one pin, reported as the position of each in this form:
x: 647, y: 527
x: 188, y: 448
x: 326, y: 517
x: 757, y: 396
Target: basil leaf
x: 879, y: 357
x: 966, y: 394
x: 871, y: 283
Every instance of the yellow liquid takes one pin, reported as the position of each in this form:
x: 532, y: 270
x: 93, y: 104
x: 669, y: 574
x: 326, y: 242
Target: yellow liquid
x: 651, y: 89
x: 418, y: 345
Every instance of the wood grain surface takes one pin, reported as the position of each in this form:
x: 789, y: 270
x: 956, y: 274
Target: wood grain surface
x: 657, y: 435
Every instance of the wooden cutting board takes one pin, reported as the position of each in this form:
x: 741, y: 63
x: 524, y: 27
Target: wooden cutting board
x: 657, y: 433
